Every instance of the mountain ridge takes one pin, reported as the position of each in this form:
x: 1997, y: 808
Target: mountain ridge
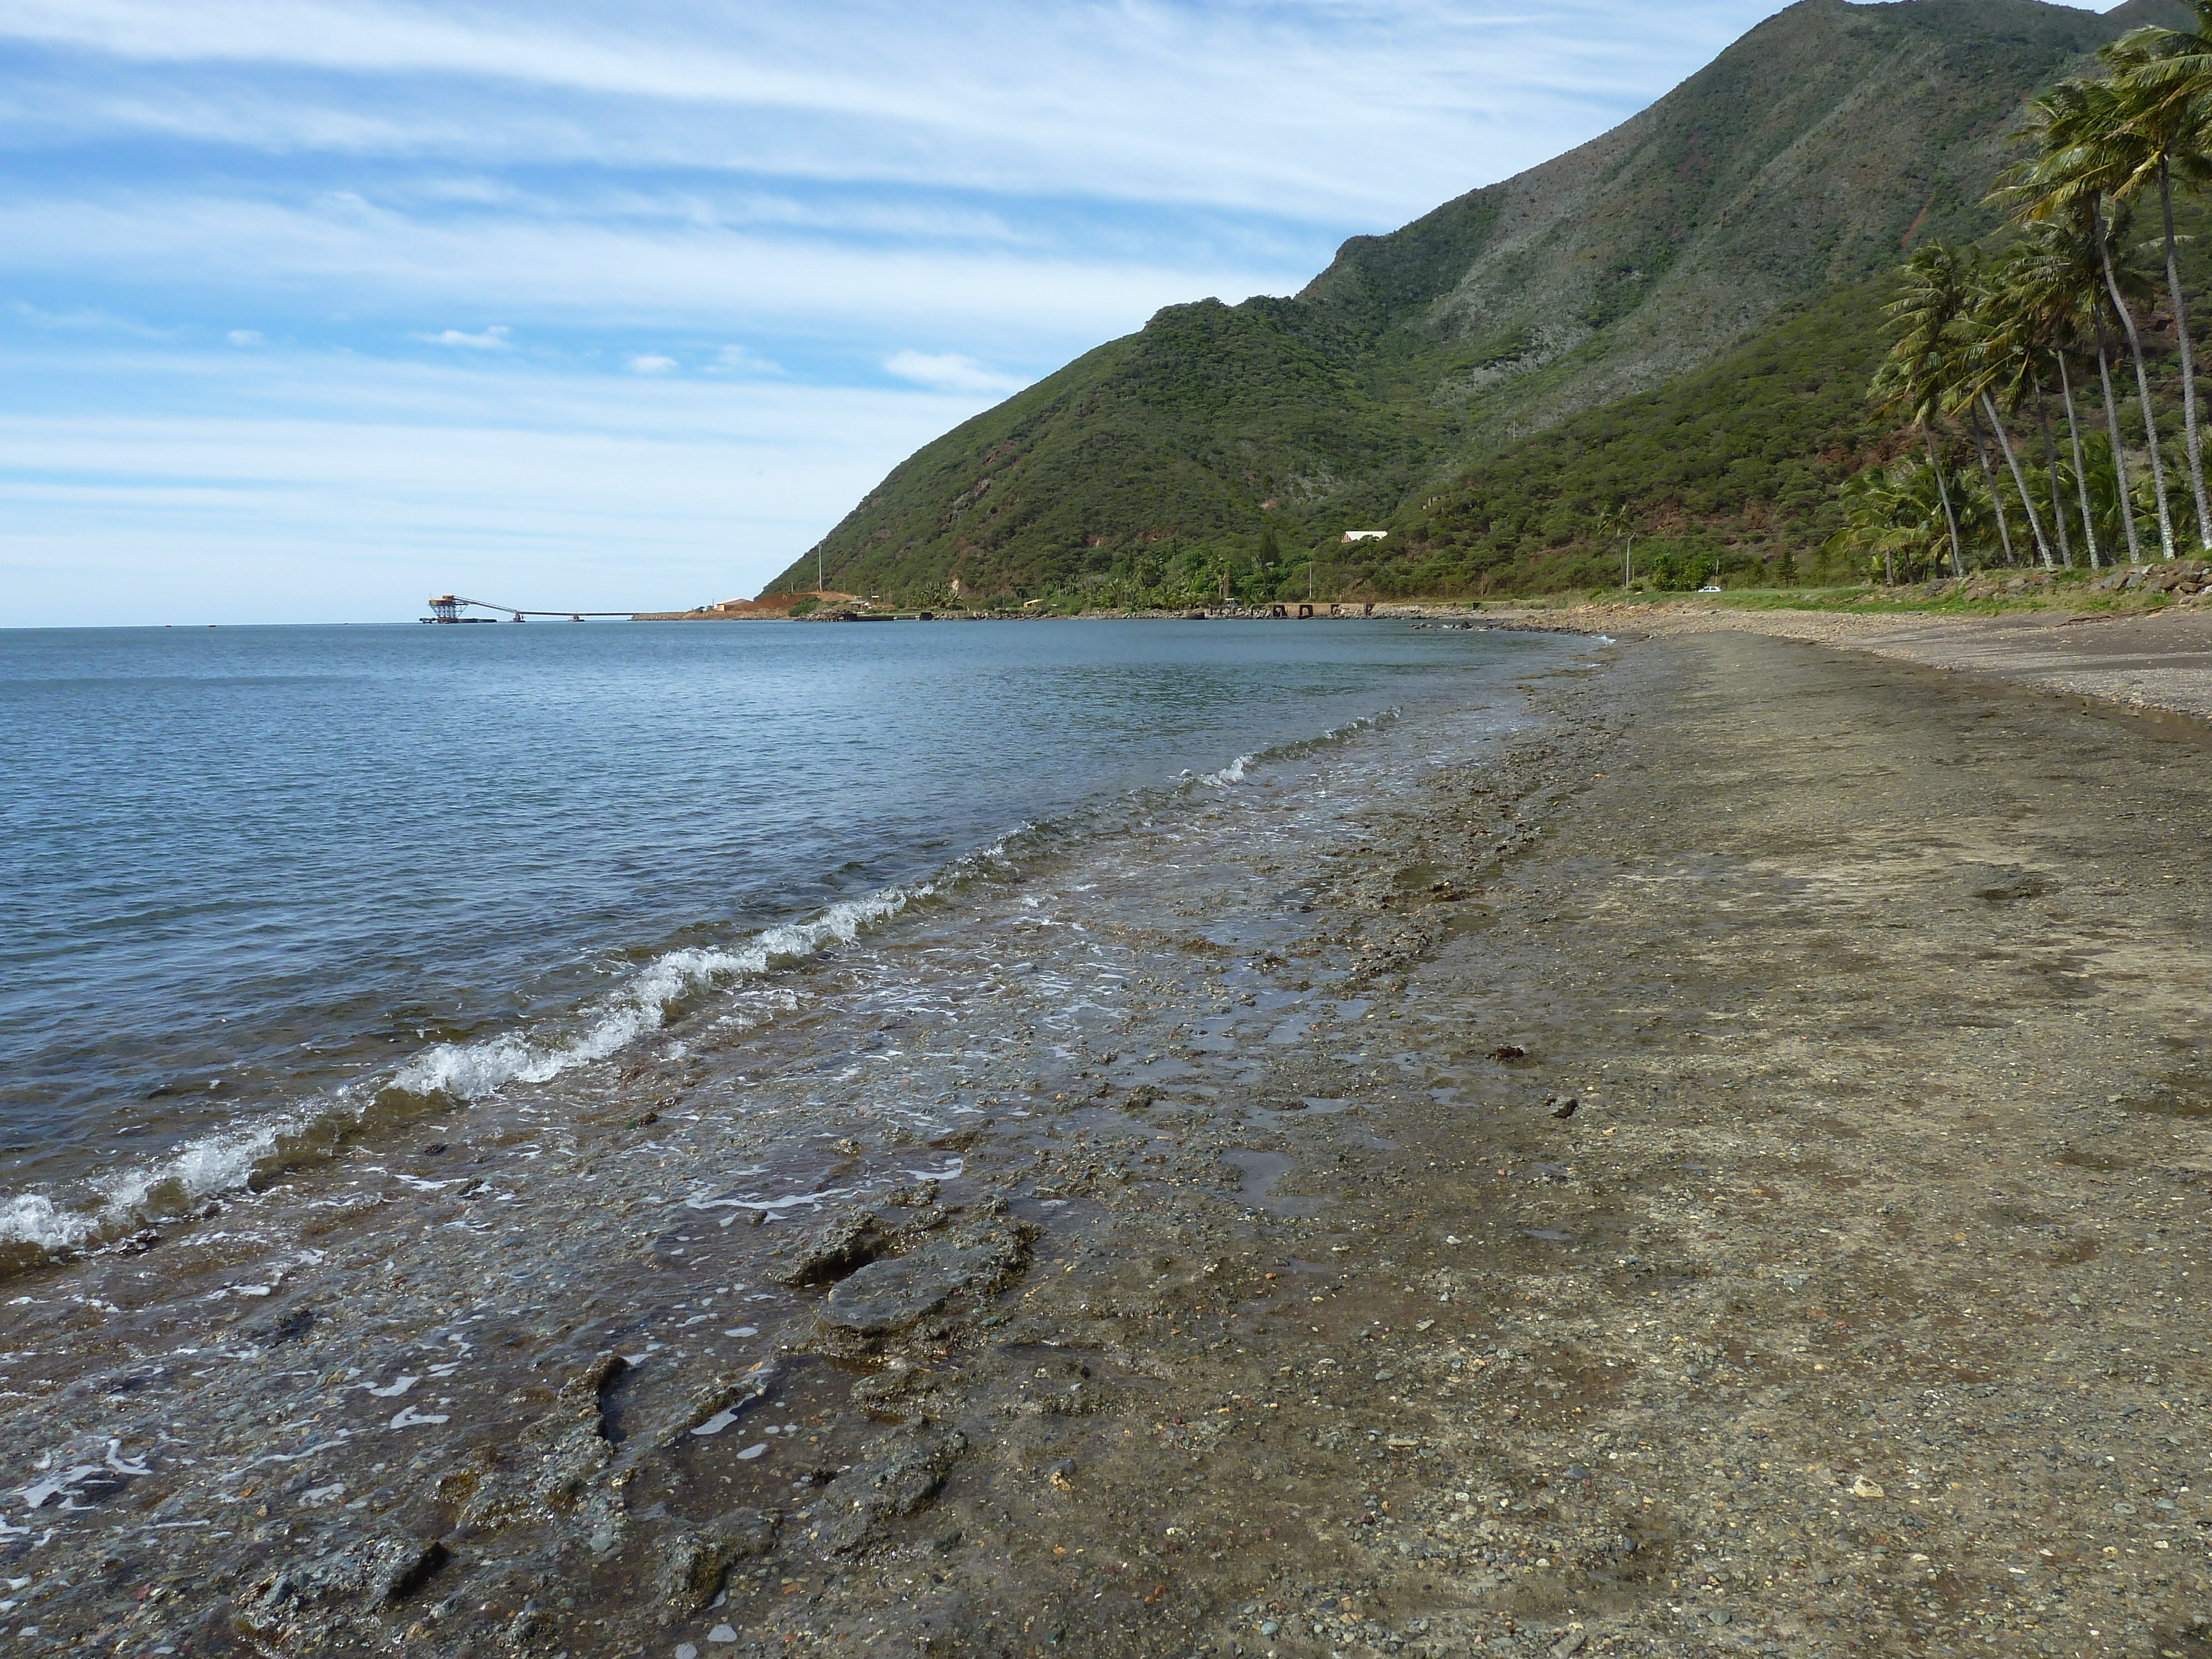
x: 1803, y: 159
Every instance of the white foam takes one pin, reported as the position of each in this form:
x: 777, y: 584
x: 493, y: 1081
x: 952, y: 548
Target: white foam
x: 473, y: 1070
x: 215, y: 1164
x: 225, y: 1161
x: 1232, y: 773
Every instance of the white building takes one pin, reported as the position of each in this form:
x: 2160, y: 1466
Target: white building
x: 1364, y: 534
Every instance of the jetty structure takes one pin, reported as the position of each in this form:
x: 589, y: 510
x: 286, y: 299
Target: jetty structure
x: 448, y: 607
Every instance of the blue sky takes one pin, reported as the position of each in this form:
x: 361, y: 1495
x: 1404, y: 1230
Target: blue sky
x: 309, y: 308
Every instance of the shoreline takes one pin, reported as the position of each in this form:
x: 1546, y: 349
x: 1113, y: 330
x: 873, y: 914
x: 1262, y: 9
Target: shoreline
x: 1280, y: 1306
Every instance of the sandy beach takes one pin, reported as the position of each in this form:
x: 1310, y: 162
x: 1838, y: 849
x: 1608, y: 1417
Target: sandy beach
x: 1719, y: 1168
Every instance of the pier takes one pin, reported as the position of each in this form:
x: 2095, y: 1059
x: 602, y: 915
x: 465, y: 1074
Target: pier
x: 448, y: 607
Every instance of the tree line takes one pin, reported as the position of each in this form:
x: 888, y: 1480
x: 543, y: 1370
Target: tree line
x: 1986, y: 345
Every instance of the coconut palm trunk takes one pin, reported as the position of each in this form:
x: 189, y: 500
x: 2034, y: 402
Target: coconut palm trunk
x: 1990, y: 478
x: 2188, y: 364
x: 1950, y: 513
x: 2143, y: 389
x: 2119, y: 450
x: 2058, y: 496
x: 2019, y: 482
x: 2081, y: 465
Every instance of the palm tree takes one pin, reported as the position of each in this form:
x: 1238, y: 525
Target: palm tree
x: 2059, y: 272
x: 2088, y: 160
x: 1931, y: 301
x: 1892, y: 513
x: 1999, y: 358
x: 2052, y: 273
x: 1611, y: 523
x: 2165, y: 83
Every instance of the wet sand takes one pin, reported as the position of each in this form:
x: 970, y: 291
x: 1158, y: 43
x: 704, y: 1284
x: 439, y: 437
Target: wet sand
x: 1718, y: 1169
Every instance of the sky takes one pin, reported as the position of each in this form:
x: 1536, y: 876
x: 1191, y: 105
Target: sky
x: 311, y: 308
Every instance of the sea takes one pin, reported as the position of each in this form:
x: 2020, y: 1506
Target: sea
x: 273, y: 892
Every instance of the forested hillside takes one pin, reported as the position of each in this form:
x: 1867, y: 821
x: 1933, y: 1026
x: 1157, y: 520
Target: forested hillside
x: 1449, y: 365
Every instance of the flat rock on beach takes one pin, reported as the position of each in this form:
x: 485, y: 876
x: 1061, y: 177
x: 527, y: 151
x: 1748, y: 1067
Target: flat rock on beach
x: 1259, y: 1298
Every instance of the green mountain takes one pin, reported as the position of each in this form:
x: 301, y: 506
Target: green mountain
x: 1757, y: 199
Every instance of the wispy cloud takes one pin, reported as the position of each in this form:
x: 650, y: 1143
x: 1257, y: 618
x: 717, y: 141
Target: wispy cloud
x: 291, y: 486
x: 1236, y: 103
x: 490, y: 339
x: 827, y: 181
x: 743, y: 359
x: 363, y: 254
x: 948, y: 371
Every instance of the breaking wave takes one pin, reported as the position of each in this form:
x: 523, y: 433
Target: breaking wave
x: 36, y: 1226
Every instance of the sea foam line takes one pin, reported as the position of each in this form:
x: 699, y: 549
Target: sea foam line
x: 34, y: 1225
x: 38, y: 1224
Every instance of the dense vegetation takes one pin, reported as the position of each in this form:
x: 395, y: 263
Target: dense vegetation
x: 1986, y: 341
x: 1691, y: 290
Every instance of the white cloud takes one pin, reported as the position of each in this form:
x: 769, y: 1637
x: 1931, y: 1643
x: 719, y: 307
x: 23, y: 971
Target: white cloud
x: 492, y: 339
x: 1010, y: 181
x: 949, y: 371
x: 743, y: 360
x: 1366, y: 111
x: 355, y: 252
x: 358, y: 487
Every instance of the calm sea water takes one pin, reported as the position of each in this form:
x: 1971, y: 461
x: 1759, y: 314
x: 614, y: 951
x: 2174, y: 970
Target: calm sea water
x: 259, y: 879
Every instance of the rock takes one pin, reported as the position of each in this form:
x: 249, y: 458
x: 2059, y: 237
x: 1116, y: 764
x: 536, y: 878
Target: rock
x: 1570, y: 1643
x: 284, y: 1329
x: 904, y: 1477
x: 1565, y: 1108
x: 837, y: 1249
x: 1509, y: 1051
x: 890, y: 1294
x: 1864, y: 1488
x: 902, y: 1389
x: 376, y: 1570
x: 692, y: 1565
x: 561, y: 1451
x: 712, y: 1406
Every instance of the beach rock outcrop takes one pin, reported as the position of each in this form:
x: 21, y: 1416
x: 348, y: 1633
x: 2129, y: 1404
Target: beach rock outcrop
x: 893, y: 1292
x: 903, y: 1477
x: 694, y: 1563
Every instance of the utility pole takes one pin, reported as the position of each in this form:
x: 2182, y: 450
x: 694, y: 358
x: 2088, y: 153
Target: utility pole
x: 1628, y: 560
